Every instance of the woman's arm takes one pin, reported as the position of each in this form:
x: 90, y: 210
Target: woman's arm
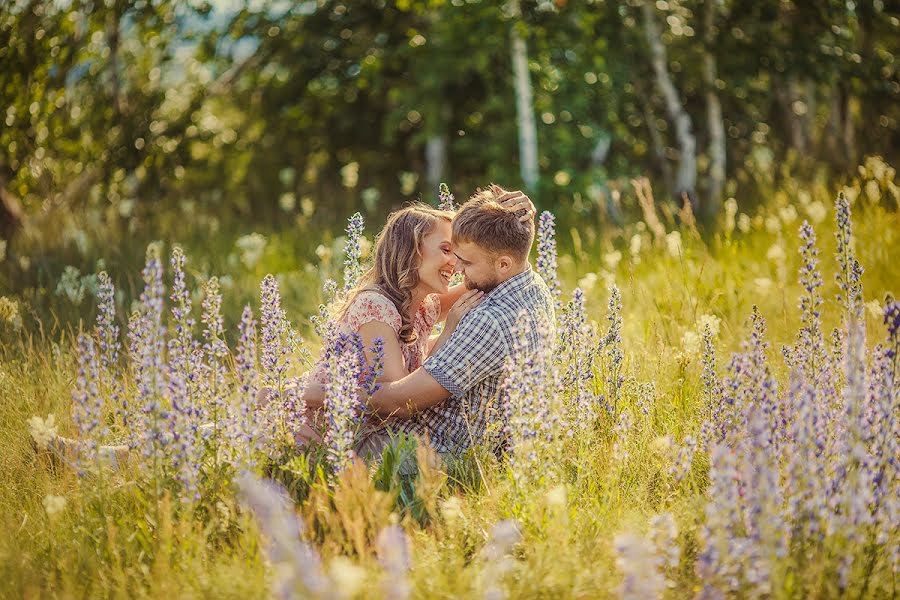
x: 449, y: 299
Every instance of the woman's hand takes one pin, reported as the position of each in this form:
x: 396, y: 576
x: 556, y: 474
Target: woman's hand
x: 466, y: 302
x: 516, y: 200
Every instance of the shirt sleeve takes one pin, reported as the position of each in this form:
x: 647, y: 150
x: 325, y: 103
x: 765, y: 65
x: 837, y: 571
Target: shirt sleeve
x: 372, y: 306
x: 476, y: 350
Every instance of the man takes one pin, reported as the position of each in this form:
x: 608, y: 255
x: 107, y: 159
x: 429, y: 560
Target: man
x: 447, y: 401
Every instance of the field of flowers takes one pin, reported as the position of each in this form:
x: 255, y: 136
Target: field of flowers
x: 722, y: 419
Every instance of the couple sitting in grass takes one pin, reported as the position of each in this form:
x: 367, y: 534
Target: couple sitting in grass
x: 441, y: 389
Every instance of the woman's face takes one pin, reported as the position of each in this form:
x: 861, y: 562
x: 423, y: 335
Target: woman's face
x: 438, y: 260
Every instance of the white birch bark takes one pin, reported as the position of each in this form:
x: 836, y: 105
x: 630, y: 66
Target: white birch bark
x: 528, y: 152
x: 686, y: 174
x: 714, y: 121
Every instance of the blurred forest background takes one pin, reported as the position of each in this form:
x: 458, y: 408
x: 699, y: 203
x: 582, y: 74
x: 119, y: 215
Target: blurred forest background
x: 236, y: 129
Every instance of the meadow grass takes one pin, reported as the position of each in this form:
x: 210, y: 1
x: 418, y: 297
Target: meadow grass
x: 125, y: 534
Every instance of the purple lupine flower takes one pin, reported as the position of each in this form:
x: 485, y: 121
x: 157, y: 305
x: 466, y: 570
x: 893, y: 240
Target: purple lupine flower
x: 530, y: 382
x: 106, y: 329
x: 849, y: 274
x: 353, y: 252
x: 343, y: 408
x: 182, y: 343
x: 810, y: 354
x: 718, y: 562
x: 446, y: 200
x: 147, y: 341
x: 87, y: 401
x: 393, y: 549
x: 715, y: 410
x: 684, y: 459
x: 245, y: 433
x: 614, y: 354
x: 640, y: 564
x: 576, y: 342
x: 284, y: 405
x: 215, y: 352
x: 374, y: 371
x: 546, y: 257
x: 297, y: 565
x: 505, y: 535
x: 185, y: 441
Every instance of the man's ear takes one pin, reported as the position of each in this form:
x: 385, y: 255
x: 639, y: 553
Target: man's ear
x: 504, y: 263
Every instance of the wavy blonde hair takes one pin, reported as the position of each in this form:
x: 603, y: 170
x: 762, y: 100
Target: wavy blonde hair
x: 397, y: 256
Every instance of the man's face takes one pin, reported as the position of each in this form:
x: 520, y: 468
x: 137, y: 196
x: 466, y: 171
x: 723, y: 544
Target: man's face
x: 478, y: 266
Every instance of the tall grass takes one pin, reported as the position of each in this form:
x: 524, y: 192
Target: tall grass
x: 627, y: 498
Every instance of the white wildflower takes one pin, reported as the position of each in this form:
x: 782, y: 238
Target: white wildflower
x: 773, y: 224
x: 634, y: 246
x: 9, y: 313
x: 451, y: 509
x: 54, y: 504
x: 251, y: 247
x: 350, y: 174
x: 817, y: 212
x: 588, y: 281
x: 43, y: 431
x: 690, y: 341
x: 763, y: 285
x: 875, y: 309
x: 612, y: 259
x: 348, y: 577
x: 287, y: 201
x: 673, y: 244
x: 557, y: 496
x: 788, y: 214
x: 710, y: 321
x: 775, y: 253
x: 743, y: 223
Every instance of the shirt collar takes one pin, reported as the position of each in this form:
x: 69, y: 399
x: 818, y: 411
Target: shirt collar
x: 515, y: 282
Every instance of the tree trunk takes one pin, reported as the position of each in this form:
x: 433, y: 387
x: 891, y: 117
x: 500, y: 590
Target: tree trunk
x: 785, y: 94
x: 528, y: 152
x: 686, y: 174
x: 435, y: 161
x: 714, y: 120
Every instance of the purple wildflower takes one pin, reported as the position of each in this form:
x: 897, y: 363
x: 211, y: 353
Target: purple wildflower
x: 215, y: 351
x: 715, y: 410
x: 147, y: 341
x: 576, y: 342
x: 546, y: 249
x: 684, y: 459
x: 393, y: 550
x: 87, y: 401
x: 530, y: 383
x: 446, y: 200
x: 343, y: 407
x: 614, y: 354
x: 106, y: 330
x: 296, y: 562
x: 353, y: 252
x: 849, y: 274
x: 245, y: 432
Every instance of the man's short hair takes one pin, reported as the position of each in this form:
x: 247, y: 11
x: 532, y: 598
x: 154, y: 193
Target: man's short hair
x: 485, y: 222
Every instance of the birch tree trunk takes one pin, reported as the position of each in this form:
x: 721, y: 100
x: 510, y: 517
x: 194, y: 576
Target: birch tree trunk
x: 714, y: 121
x: 686, y: 174
x: 528, y: 152
x: 435, y: 161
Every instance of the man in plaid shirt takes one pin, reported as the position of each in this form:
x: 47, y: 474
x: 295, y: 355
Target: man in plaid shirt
x: 450, y: 399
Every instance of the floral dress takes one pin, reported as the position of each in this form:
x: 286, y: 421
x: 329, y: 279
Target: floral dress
x: 373, y: 306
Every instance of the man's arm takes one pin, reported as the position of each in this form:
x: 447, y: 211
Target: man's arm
x: 405, y: 397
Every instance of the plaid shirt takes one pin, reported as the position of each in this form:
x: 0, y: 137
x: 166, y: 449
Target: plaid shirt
x: 470, y: 365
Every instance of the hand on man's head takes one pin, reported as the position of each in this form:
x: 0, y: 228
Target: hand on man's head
x: 515, y: 200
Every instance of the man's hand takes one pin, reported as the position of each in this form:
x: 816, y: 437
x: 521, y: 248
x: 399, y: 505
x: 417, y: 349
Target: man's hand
x: 516, y: 200
x: 408, y: 396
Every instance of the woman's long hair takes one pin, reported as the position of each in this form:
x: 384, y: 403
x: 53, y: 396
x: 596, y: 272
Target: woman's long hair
x: 397, y: 256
